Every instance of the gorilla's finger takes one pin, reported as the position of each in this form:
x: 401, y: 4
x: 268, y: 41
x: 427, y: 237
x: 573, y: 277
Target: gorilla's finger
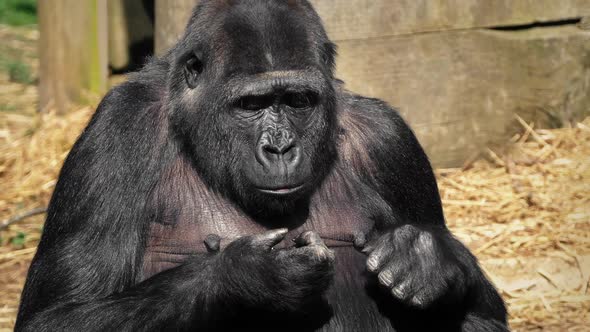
x: 378, y: 257
x: 322, y: 252
x: 417, y: 301
x: 319, y: 253
x: 403, y: 291
x: 392, y: 273
x: 371, y: 245
x: 425, y: 295
x: 212, y: 242
x: 270, y: 238
x: 405, y: 234
x: 359, y: 240
x: 308, y: 238
x: 421, y: 299
x: 385, y: 277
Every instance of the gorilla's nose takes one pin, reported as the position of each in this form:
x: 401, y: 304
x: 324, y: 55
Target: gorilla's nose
x: 278, y: 153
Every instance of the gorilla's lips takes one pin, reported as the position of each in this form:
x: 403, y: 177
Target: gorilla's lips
x: 282, y: 191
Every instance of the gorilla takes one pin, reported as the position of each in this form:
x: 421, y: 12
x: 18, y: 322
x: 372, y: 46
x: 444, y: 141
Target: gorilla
x: 235, y: 184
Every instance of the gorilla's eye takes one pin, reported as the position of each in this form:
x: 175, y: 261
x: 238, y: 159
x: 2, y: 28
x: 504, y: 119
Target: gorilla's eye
x: 193, y: 67
x: 254, y: 103
x: 300, y: 100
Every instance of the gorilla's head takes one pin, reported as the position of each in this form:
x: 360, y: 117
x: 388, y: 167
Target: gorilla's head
x: 252, y: 100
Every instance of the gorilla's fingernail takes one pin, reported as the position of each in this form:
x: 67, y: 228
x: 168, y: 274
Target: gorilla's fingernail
x: 386, y: 278
x: 372, y: 263
x: 273, y: 237
x: 282, y: 231
x: 398, y: 292
x: 277, y: 233
x: 416, y: 301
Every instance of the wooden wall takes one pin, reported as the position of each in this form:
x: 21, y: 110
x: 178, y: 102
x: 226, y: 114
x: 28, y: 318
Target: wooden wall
x: 454, y: 76
x: 458, y: 82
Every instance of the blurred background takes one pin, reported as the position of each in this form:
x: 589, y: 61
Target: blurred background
x: 498, y: 93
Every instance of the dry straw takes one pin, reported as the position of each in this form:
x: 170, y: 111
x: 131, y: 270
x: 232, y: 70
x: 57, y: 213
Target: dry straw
x: 526, y: 215
x: 525, y: 212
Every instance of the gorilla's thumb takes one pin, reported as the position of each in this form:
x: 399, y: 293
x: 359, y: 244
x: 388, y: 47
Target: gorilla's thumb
x: 308, y: 238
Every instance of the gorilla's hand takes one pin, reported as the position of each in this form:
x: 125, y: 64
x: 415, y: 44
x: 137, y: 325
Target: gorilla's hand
x: 277, y: 279
x: 417, y: 267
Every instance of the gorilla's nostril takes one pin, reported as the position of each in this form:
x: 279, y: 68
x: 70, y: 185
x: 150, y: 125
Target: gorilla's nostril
x: 279, y: 150
x: 271, y: 149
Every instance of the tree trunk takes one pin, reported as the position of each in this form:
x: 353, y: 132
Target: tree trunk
x: 73, y: 52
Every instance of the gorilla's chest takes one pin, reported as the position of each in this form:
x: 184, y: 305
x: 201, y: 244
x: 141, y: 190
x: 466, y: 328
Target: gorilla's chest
x: 182, y: 221
x: 179, y: 230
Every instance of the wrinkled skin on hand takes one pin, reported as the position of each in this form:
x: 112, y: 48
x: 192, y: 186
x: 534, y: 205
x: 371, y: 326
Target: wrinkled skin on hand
x: 411, y: 264
x: 285, y: 279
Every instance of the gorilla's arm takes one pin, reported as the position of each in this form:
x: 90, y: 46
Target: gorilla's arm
x: 92, y: 241
x: 207, y: 292
x: 158, y: 303
x: 410, y: 249
x: 86, y: 271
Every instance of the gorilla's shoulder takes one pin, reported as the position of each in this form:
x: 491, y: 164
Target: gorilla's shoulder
x: 143, y: 92
x: 372, y: 118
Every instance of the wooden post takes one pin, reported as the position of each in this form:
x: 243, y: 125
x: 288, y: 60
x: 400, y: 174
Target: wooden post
x: 171, y: 19
x: 73, y: 52
x: 118, y: 35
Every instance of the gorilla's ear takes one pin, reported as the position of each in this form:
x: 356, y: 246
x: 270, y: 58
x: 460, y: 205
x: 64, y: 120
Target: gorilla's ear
x: 193, y: 67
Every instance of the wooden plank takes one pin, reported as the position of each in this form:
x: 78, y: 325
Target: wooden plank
x: 171, y: 20
x: 357, y: 19
x: 119, y: 56
x: 73, y: 52
x: 461, y: 89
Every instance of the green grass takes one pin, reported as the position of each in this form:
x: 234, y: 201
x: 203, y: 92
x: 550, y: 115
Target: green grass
x: 19, y: 240
x: 18, y: 12
x: 19, y: 72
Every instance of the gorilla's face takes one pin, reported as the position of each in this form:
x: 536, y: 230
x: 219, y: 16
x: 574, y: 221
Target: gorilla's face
x: 256, y: 104
x: 282, y: 119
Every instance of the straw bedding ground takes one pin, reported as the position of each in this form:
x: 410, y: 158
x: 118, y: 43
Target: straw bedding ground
x: 526, y: 215
x: 524, y: 212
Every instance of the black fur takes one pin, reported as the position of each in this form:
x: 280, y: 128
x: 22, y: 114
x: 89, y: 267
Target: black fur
x: 174, y: 208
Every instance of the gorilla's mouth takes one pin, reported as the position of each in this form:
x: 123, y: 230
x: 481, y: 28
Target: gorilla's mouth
x: 281, y: 191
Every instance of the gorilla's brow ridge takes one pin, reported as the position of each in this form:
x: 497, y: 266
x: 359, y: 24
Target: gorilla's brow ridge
x: 267, y: 82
